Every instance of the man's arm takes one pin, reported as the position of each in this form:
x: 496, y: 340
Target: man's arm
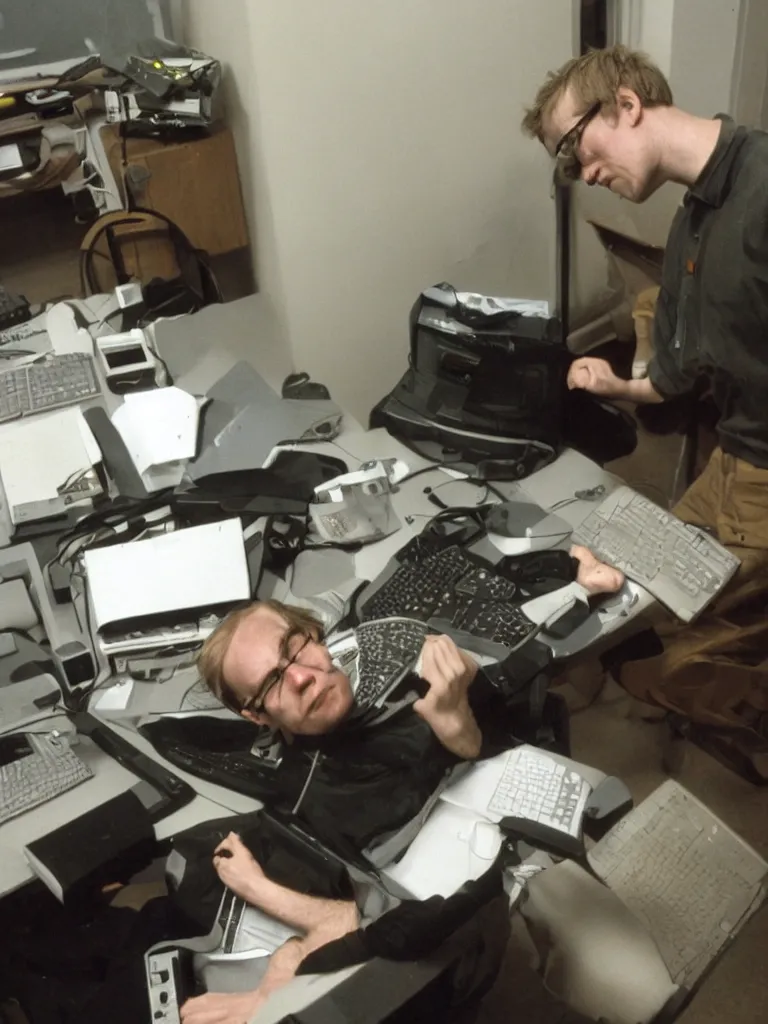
x: 240, y: 871
x: 597, y: 377
x: 321, y: 921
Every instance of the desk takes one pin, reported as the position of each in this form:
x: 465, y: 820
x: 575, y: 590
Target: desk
x: 248, y: 329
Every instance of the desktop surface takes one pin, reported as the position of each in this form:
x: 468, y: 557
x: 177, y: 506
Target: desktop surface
x: 185, y: 345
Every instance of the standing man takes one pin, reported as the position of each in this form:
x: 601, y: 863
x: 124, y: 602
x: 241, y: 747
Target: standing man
x: 608, y: 117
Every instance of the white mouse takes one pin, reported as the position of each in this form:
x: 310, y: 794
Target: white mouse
x: 484, y: 844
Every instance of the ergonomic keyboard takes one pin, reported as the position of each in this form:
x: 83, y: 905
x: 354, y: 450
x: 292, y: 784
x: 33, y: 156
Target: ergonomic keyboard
x: 34, y: 769
x: 39, y: 387
x: 377, y: 655
x: 682, y: 566
x: 542, y: 798
x: 449, y: 586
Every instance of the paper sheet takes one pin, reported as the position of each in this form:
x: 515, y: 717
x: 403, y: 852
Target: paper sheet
x: 39, y: 455
x: 444, y: 855
x: 159, y: 428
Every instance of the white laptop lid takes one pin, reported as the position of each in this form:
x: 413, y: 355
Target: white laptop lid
x: 193, y: 568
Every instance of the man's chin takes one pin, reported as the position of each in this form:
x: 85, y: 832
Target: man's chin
x: 634, y: 193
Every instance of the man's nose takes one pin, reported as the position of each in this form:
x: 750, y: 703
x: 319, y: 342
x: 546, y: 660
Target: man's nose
x: 298, y: 676
x: 590, y: 173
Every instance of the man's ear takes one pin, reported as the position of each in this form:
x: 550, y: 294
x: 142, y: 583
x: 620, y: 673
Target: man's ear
x: 628, y: 106
x: 256, y: 717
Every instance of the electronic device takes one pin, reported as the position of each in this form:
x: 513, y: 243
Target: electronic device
x: 486, y: 379
x: 126, y: 359
x: 35, y: 768
x: 13, y: 309
x: 485, y: 842
x: 76, y: 664
x: 59, y: 381
x: 541, y: 799
x: 356, y: 507
x: 449, y: 586
x: 129, y: 294
x: 515, y: 527
x: 377, y: 655
x: 217, y: 750
x: 167, y: 579
x: 691, y: 880
x: 160, y: 791
x: 170, y: 982
x: 681, y: 565
x: 141, y: 638
x: 109, y: 843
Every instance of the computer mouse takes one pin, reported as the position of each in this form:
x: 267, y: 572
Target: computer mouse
x: 516, y: 527
x: 485, y: 840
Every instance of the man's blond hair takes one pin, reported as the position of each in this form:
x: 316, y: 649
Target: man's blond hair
x: 210, y: 661
x: 596, y: 77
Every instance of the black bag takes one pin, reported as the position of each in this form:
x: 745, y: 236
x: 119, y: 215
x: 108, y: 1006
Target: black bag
x: 489, y: 383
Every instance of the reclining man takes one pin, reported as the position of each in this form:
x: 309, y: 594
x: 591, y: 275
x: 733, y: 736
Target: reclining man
x: 269, y: 662
x: 609, y: 118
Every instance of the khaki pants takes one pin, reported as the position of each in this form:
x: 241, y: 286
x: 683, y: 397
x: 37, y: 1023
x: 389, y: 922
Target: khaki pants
x: 715, y: 671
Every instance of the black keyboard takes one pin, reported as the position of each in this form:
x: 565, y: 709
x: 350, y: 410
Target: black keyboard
x: 447, y: 585
x: 388, y: 650
x: 216, y: 750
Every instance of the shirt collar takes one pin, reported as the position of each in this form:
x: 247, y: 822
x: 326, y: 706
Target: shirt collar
x: 711, y: 186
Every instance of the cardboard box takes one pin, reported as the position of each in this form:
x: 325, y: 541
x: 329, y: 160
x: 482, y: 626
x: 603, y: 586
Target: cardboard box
x: 195, y: 182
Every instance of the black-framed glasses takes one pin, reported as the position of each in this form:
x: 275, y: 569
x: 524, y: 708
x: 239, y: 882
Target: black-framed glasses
x: 566, y: 151
x: 275, y: 677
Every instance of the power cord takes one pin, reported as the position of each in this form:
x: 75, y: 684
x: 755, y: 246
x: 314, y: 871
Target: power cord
x: 589, y: 494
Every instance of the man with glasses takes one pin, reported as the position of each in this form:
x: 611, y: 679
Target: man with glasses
x: 270, y: 663
x: 608, y: 118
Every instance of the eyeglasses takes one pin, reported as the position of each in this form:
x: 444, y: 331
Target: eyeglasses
x: 566, y: 150
x: 275, y: 677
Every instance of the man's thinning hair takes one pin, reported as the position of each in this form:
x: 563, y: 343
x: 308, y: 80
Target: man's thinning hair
x: 210, y: 661
x: 596, y: 77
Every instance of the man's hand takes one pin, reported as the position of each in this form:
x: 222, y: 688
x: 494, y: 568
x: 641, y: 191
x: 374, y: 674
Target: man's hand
x: 445, y: 708
x: 237, y: 868
x: 597, y: 377
x: 220, y: 1008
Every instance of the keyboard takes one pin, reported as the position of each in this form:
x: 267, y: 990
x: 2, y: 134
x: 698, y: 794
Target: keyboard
x: 687, y: 876
x: 377, y: 655
x: 34, y: 769
x: 454, y: 590
x: 682, y: 566
x: 39, y: 387
x: 541, y: 798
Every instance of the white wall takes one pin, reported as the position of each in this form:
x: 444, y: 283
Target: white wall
x: 749, y: 94
x: 382, y: 148
x: 380, y: 152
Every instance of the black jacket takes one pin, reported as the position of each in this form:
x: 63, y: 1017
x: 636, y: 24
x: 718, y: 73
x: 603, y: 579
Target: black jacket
x: 712, y: 312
